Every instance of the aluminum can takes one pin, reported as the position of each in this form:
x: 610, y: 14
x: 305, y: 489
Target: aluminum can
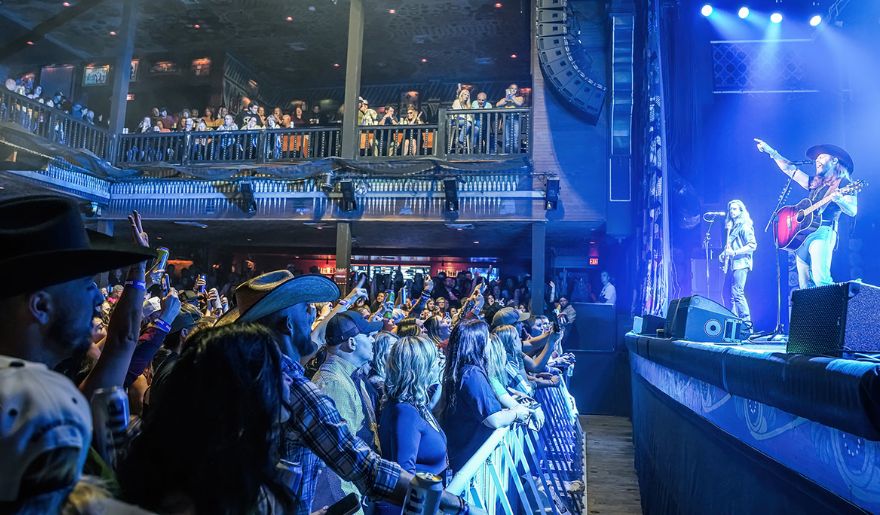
x: 161, y: 259
x: 423, y: 497
x: 110, y: 420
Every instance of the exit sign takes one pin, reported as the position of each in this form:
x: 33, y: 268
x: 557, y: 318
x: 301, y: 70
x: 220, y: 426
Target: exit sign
x: 594, y: 261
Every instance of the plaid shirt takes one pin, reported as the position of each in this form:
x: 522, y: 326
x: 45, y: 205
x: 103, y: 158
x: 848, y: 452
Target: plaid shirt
x: 316, y: 432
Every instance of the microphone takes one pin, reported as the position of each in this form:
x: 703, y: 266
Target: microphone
x: 715, y: 213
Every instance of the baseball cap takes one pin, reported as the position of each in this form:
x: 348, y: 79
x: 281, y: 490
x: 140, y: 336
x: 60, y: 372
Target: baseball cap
x: 151, y: 306
x: 348, y: 324
x: 42, y: 412
x: 188, y: 316
x: 508, y: 316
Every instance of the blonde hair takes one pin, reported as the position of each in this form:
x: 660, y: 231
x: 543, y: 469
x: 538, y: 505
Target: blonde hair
x: 509, y: 336
x: 381, y: 346
x: 496, y: 359
x: 409, y: 370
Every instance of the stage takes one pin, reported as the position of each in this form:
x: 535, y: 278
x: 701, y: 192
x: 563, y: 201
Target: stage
x: 751, y: 429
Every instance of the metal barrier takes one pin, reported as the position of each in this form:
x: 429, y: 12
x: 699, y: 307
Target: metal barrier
x: 259, y: 145
x: 53, y: 124
x: 519, y: 470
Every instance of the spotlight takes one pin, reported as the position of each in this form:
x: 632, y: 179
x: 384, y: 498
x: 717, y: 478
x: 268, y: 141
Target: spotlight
x: 776, y: 18
x: 743, y: 12
x: 707, y: 10
x: 551, y: 195
x: 450, y: 191
x: 815, y: 21
x: 349, y: 203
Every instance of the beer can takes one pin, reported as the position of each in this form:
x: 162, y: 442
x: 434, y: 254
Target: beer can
x: 110, y: 420
x: 161, y: 259
x: 204, y: 285
x: 423, y: 496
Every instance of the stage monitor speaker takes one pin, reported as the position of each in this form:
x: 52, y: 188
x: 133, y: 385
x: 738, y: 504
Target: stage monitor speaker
x: 548, y: 43
x: 551, y: 16
x: 830, y: 320
x: 552, y: 4
x: 700, y: 319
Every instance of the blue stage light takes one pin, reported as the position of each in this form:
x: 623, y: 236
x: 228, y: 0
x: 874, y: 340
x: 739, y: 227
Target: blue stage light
x: 776, y: 18
x: 706, y: 10
x: 815, y: 21
x: 743, y: 12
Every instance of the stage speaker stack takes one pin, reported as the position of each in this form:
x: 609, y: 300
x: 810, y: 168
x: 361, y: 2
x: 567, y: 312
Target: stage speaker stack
x: 830, y: 320
x: 700, y: 319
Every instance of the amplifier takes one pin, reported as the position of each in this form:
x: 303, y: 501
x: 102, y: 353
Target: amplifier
x: 830, y: 320
x: 700, y: 319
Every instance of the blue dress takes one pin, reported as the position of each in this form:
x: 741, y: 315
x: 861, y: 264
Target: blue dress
x: 409, y: 439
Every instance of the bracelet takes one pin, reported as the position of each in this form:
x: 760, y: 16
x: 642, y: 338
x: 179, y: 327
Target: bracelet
x: 137, y: 285
x: 162, y: 325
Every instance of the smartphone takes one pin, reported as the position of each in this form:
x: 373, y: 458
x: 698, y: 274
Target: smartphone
x: 345, y: 506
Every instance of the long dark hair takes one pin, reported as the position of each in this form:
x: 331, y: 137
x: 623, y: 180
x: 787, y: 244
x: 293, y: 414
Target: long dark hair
x: 467, y: 346
x: 213, y: 438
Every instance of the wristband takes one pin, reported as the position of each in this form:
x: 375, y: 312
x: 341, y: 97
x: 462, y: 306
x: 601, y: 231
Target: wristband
x: 137, y: 285
x: 162, y: 325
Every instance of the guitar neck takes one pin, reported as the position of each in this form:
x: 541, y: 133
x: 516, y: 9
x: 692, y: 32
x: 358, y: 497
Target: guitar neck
x: 820, y: 204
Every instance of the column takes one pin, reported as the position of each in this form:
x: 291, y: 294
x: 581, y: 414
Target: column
x: 539, y: 261
x: 353, y: 59
x: 343, y: 255
x: 122, y: 68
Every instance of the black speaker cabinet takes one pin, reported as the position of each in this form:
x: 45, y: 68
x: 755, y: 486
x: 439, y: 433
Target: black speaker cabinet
x: 830, y: 320
x: 700, y: 319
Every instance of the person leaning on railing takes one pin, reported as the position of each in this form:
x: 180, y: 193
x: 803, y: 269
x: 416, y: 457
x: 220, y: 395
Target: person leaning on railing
x: 471, y: 410
x: 408, y: 432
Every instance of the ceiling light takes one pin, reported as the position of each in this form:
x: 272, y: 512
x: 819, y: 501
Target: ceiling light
x: 424, y: 59
x: 289, y: 18
x: 112, y: 32
x: 336, y: 65
x: 815, y: 21
x: 66, y: 4
x: 392, y: 11
x: 776, y: 18
x: 513, y: 56
x: 498, y: 5
x: 743, y: 12
x: 707, y: 10
x: 476, y: 242
x: 197, y: 26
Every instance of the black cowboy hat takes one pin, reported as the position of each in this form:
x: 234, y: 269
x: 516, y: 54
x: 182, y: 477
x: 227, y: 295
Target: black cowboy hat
x: 833, y: 151
x: 43, y: 242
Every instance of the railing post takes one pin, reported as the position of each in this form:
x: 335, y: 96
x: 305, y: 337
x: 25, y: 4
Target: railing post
x: 442, y: 125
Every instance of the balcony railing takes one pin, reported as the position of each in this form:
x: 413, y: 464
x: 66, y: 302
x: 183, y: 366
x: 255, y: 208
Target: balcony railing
x: 477, y: 133
x: 257, y: 146
x: 53, y: 124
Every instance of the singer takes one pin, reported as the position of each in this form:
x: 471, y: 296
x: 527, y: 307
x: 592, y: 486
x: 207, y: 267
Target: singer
x: 736, y: 259
x: 833, y: 169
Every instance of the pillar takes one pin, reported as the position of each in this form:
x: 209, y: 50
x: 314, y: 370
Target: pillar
x: 353, y: 78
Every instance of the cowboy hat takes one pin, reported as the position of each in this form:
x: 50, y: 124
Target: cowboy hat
x: 274, y: 291
x: 43, y: 242
x: 833, y: 151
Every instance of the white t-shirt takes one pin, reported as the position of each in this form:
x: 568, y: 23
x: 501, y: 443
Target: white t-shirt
x: 608, y: 294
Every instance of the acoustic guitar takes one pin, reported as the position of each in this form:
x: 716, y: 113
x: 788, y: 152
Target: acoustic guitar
x: 795, y: 223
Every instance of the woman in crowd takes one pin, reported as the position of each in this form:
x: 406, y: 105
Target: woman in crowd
x: 439, y: 328
x: 463, y: 123
x: 382, y: 345
x: 209, y: 119
x: 408, y: 432
x: 211, y: 445
x: 471, y: 410
x: 409, y: 327
x: 410, y: 137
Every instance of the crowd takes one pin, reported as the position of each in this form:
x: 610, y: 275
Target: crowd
x: 275, y: 396
x: 58, y: 100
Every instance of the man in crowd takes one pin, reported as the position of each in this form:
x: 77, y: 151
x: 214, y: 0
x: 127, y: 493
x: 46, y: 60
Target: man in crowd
x: 349, y: 342
x: 315, y: 430
x: 48, y: 301
x: 608, y: 295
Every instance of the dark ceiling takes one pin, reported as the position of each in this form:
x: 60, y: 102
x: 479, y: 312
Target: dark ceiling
x: 466, y: 39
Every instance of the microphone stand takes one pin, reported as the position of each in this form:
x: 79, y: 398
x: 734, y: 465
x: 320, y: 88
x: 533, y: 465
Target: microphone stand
x: 706, y: 243
x: 779, y: 330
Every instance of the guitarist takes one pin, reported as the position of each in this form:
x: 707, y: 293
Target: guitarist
x: 833, y: 169
x: 737, y: 258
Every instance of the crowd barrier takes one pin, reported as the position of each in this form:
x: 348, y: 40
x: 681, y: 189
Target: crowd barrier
x: 521, y: 470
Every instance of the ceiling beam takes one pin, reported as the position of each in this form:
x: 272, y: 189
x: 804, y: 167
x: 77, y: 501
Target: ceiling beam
x: 43, y: 29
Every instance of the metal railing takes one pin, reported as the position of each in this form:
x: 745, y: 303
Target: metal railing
x: 519, y: 470
x: 53, y: 124
x: 260, y: 146
x: 486, y: 132
x: 397, y: 140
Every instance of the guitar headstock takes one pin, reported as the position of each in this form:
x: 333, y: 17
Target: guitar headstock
x: 853, y: 187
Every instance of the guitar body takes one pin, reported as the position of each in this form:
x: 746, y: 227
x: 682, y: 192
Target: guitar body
x: 793, y: 226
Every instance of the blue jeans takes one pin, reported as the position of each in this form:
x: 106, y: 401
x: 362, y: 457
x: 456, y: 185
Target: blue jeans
x: 735, y: 293
x: 814, y: 258
x: 511, y: 134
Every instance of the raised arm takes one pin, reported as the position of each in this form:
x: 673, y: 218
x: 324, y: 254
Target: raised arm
x: 787, y: 167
